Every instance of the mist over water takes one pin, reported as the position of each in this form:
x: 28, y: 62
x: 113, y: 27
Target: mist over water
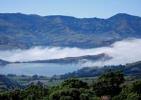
x: 122, y: 52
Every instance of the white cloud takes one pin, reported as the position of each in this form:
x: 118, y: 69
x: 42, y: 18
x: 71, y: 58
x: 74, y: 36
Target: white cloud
x: 126, y: 51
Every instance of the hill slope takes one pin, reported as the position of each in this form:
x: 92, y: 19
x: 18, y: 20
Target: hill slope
x: 132, y: 70
x: 6, y: 83
x: 2, y: 62
x: 23, y: 31
x: 69, y: 60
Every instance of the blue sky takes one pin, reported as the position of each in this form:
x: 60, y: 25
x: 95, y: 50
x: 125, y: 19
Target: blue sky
x: 77, y: 8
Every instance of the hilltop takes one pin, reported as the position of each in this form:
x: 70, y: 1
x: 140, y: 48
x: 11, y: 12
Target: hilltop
x: 24, y: 31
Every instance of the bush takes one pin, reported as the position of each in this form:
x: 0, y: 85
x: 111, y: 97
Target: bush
x: 61, y: 94
x: 109, y: 84
x: 74, y: 83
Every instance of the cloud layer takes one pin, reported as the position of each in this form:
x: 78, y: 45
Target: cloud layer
x: 122, y: 52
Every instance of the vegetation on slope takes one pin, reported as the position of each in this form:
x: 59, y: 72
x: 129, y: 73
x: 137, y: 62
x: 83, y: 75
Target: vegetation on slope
x: 24, y: 31
x: 131, y: 70
x: 110, y: 85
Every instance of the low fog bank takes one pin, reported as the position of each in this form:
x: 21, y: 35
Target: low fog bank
x: 122, y: 52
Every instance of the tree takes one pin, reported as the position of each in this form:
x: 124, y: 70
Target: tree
x: 72, y: 89
x: 65, y: 94
x: 34, y: 92
x: 74, y: 83
x: 109, y: 84
x: 136, y: 87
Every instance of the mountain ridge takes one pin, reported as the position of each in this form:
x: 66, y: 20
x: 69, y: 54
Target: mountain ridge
x: 73, y: 60
x: 24, y: 31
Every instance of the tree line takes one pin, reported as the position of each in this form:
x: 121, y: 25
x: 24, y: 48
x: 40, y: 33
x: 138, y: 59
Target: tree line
x: 109, y: 86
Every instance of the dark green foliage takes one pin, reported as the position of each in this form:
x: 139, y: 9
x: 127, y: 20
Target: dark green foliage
x: 35, y: 92
x: 129, y: 96
x: 136, y: 87
x: 130, y: 92
x: 71, y: 93
x: 66, y: 98
x: 74, y: 83
x: 72, y: 89
x: 4, y: 96
x: 31, y: 93
x: 109, y: 84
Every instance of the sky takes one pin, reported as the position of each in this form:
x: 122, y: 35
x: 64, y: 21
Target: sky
x: 76, y: 8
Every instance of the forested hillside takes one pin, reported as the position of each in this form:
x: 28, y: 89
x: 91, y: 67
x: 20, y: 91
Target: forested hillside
x: 23, y: 31
x: 109, y: 86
